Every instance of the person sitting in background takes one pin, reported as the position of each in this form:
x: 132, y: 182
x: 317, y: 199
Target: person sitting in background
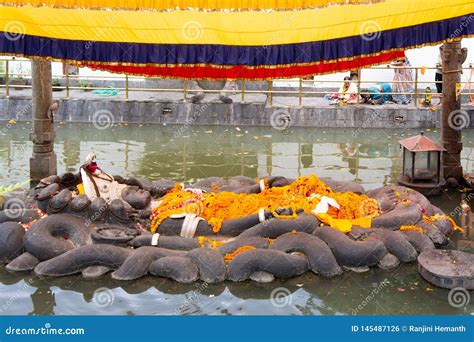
x: 427, y: 99
x: 402, y: 81
x: 377, y: 94
x: 354, y: 75
x: 346, y: 94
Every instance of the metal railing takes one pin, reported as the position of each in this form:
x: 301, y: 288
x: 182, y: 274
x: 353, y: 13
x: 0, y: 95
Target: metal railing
x: 301, y: 91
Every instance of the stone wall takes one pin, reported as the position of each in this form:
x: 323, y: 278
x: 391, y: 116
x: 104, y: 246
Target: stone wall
x: 217, y: 113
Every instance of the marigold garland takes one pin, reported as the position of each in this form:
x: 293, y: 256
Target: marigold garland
x: 415, y: 228
x: 216, y: 224
x: 240, y: 250
x: 454, y: 225
x: 304, y: 193
x: 402, y: 199
x: 202, y: 240
x: 438, y: 217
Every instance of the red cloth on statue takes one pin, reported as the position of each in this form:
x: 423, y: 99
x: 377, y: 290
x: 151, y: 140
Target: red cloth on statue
x: 92, y: 167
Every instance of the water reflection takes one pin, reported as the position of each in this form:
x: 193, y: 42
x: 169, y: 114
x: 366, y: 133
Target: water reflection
x: 43, y: 300
x: 372, y: 158
x: 374, y: 292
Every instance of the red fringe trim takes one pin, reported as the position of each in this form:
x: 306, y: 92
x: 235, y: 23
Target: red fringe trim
x: 246, y: 73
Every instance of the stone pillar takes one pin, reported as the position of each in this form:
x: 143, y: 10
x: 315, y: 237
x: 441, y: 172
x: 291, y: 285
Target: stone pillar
x: 43, y: 160
x: 453, y: 57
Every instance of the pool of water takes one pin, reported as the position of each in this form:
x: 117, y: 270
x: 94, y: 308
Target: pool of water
x: 371, y: 157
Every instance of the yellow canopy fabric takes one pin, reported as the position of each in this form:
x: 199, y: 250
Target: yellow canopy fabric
x: 162, y: 5
x: 228, y: 39
x: 235, y: 28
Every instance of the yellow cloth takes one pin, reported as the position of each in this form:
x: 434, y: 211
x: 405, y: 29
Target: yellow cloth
x: 345, y: 225
x: 305, y: 193
x: 254, y: 28
x: 182, y: 4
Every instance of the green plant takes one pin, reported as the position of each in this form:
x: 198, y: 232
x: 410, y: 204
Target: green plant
x: 9, y: 188
x: 85, y: 84
x: 56, y: 85
x: 2, y: 72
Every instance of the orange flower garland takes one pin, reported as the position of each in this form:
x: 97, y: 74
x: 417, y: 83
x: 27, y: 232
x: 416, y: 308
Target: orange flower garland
x: 216, y: 224
x: 304, y: 193
x: 415, y: 228
x: 240, y: 250
x: 203, y: 241
x: 438, y: 217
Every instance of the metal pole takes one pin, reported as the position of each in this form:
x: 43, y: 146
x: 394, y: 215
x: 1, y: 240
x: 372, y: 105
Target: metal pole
x: 270, y: 92
x: 184, y: 90
x: 416, y: 87
x: 243, y: 91
x: 67, y: 81
x: 126, y: 87
x: 358, y: 85
x: 300, y: 99
x: 7, y: 79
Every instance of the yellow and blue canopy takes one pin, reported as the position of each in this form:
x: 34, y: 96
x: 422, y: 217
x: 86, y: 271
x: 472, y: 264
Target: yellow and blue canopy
x: 228, y: 39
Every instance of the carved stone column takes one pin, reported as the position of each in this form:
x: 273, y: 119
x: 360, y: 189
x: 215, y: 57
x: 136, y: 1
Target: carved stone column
x: 453, y: 120
x: 43, y: 160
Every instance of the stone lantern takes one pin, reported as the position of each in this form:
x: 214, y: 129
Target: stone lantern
x: 422, y: 165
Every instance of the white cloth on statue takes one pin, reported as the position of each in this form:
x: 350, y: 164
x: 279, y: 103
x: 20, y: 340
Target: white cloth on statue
x: 108, y: 190
x: 323, y: 206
